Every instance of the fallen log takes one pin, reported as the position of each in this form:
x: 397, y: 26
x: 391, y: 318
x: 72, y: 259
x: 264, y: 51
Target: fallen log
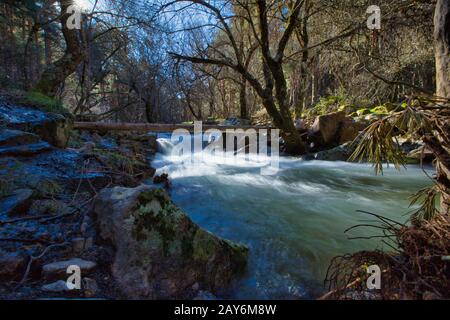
x: 155, y: 127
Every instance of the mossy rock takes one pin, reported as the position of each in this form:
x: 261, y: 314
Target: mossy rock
x: 160, y: 252
x: 46, y: 103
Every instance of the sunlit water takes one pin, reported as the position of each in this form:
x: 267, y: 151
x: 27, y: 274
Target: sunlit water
x: 294, y: 221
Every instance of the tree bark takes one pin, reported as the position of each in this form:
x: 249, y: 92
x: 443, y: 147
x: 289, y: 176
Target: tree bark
x: 56, y: 73
x: 442, y: 47
x: 442, y: 54
x: 243, y: 98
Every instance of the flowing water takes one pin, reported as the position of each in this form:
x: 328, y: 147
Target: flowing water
x: 294, y: 221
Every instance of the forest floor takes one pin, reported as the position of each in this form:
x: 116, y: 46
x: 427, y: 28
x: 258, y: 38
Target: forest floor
x: 46, y: 193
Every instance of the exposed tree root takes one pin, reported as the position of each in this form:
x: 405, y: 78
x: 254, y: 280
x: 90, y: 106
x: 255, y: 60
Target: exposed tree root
x: 419, y: 268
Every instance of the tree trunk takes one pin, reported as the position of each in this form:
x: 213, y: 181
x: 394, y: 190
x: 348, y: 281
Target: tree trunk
x: 243, y: 98
x: 149, y: 111
x: 56, y: 73
x: 442, y: 54
x: 442, y: 47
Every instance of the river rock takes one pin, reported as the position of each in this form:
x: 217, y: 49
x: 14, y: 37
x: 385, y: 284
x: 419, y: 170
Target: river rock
x: 326, y: 127
x: 59, y: 268
x: 58, y: 286
x: 160, y: 252
x: 17, y: 203
x: 340, y: 153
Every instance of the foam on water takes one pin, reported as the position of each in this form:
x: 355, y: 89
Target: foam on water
x: 293, y: 221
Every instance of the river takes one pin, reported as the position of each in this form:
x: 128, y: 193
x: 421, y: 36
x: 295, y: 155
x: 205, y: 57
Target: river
x: 294, y: 221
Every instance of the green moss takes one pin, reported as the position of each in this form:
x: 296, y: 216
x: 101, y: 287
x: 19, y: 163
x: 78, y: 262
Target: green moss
x: 46, y: 103
x: 204, y: 246
x: 156, y: 220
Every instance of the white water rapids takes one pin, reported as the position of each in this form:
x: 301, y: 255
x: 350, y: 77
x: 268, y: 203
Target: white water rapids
x: 294, y: 221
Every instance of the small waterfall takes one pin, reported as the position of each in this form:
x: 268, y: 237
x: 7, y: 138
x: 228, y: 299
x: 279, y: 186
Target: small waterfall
x: 165, y: 146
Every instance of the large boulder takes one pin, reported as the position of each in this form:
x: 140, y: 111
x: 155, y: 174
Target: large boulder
x: 349, y: 130
x: 160, y: 252
x: 51, y: 127
x: 326, y: 127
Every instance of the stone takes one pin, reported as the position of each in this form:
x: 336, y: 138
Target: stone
x: 327, y: 126
x: 12, y: 265
x: 59, y: 268
x: 340, y: 153
x: 16, y: 203
x: 160, y: 252
x: 12, y: 138
x: 90, y: 287
x: 57, y: 286
x: 348, y: 131
x: 26, y: 150
x: 55, y: 131
x: 51, y: 127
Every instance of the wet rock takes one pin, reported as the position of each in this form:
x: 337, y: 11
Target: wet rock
x: 59, y: 268
x: 57, y: 286
x: 164, y: 179
x: 340, y: 153
x: 326, y: 127
x: 12, y: 138
x: 51, y: 127
x: 90, y: 287
x: 17, y: 203
x: 160, y: 252
x: 12, y: 265
x: 26, y: 150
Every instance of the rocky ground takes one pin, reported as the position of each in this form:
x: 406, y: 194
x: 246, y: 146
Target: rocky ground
x: 77, y: 199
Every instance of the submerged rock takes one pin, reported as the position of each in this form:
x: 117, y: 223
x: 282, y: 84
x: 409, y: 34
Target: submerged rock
x: 160, y: 252
x: 340, y: 153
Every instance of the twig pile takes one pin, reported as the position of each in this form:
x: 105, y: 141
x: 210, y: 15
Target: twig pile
x: 419, y: 268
